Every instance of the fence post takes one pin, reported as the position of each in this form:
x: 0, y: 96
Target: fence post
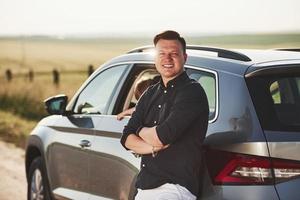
x: 55, y: 76
x: 8, y: 75
x: 30, y: 75
x: 90, y: 69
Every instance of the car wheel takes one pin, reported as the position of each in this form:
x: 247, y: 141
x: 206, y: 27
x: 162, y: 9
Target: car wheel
x: 37, y: 183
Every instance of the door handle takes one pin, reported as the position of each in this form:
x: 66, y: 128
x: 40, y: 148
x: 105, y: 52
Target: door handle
x: 84, y: 143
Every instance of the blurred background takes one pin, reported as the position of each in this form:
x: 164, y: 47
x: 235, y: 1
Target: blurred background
x: 49, y: 47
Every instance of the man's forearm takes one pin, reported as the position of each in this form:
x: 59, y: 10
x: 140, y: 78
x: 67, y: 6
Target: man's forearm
x: 139, y: 146
x: 136, y: 144
x: 149, y: 135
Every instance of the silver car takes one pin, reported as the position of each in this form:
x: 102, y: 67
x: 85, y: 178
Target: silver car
x: 252, y: 146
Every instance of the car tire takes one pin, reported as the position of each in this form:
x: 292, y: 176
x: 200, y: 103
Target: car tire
x: 37, y: 187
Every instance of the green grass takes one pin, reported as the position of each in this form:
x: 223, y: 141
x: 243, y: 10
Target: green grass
x: 26, y: 98
x: 21, y: 102
x: 15, y: 129
x: 22, y: 105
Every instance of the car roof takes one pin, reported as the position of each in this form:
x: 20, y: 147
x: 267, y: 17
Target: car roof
x: 233, y: 61
x: 267, y: 57
x: 207, y: 62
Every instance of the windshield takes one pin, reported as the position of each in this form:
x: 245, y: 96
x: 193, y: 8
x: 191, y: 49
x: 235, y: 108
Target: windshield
x: 277, y: 101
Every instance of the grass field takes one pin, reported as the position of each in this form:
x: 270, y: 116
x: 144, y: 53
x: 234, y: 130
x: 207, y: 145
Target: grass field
x: 14, y: 128
x: 46, y: 53
x: 22, y: 100
x: 22, y: 54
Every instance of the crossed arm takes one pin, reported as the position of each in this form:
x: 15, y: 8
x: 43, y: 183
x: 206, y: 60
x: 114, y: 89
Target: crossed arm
x: 147, y: 142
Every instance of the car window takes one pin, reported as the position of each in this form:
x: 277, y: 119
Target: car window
x: 208, y: 82
x: 138, y: 73
x: 95, y: 97
x: 298, y: 84
x: 285, y: 95
x: 144, y: 80
x: 277, y: 101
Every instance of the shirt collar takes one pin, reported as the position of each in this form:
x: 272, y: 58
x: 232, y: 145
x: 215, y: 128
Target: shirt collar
x: 175, y: 81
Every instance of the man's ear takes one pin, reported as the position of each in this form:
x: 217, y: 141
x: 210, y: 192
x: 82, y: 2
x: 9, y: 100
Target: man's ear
x: 185, y: 56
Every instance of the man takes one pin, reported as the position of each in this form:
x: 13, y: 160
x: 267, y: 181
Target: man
x: 169, y: 126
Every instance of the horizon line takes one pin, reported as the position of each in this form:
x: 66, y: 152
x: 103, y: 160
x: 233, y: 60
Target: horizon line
x: 140, y: 34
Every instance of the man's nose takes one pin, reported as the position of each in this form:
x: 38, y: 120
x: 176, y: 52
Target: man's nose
x: 168, y: 56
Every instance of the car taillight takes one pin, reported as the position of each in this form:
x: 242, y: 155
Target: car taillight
x: 285, y: 169
x: 227, y: 168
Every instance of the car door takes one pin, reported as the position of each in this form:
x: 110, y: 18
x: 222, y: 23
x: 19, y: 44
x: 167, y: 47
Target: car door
x: 70, y: 153
x: 276, y: 93
x: 284, y: 145
x: 112, y: 168
x: 68, y: 156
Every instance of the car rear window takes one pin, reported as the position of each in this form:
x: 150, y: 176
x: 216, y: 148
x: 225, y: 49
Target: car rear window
x: 277, y: 101
x: 208, y: 81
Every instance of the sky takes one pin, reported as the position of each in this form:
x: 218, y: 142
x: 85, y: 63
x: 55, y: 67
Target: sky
x: 147, y: 17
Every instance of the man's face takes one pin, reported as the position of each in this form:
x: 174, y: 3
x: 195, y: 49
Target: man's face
x: 169, y: 59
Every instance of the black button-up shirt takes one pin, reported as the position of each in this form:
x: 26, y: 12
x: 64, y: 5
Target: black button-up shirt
x: 180, y: 112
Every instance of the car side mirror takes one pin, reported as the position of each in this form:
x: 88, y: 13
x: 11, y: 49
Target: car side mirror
x: 56, y: 105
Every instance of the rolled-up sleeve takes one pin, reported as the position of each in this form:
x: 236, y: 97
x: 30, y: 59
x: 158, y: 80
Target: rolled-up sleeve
x: 189, y: 105
x: 136, y: 120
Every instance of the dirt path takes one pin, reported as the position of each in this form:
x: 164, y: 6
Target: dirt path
x: 13, y: 184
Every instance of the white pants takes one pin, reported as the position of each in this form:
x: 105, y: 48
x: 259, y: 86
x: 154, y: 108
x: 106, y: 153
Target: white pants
x: 165, y: 192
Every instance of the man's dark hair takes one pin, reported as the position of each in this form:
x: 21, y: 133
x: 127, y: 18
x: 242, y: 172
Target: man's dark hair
x: 170, y: 35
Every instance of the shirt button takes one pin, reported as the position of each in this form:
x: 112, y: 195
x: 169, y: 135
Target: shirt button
x: 159, y: 106
x: 154, y: 122
x: 172, y: 85
x: 143, y: 165
x: 165, y: 91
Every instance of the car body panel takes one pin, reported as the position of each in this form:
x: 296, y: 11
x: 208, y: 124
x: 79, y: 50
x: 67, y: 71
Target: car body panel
x: 240, y: 192
x: 289, y: 190
x: 67, y: 160
x: 110, y: 160
x: 285, y: 145
x: 238, y: 125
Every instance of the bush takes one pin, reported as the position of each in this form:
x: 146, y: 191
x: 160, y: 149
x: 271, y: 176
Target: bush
x: 22, y: 105
x: 15, y: 129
